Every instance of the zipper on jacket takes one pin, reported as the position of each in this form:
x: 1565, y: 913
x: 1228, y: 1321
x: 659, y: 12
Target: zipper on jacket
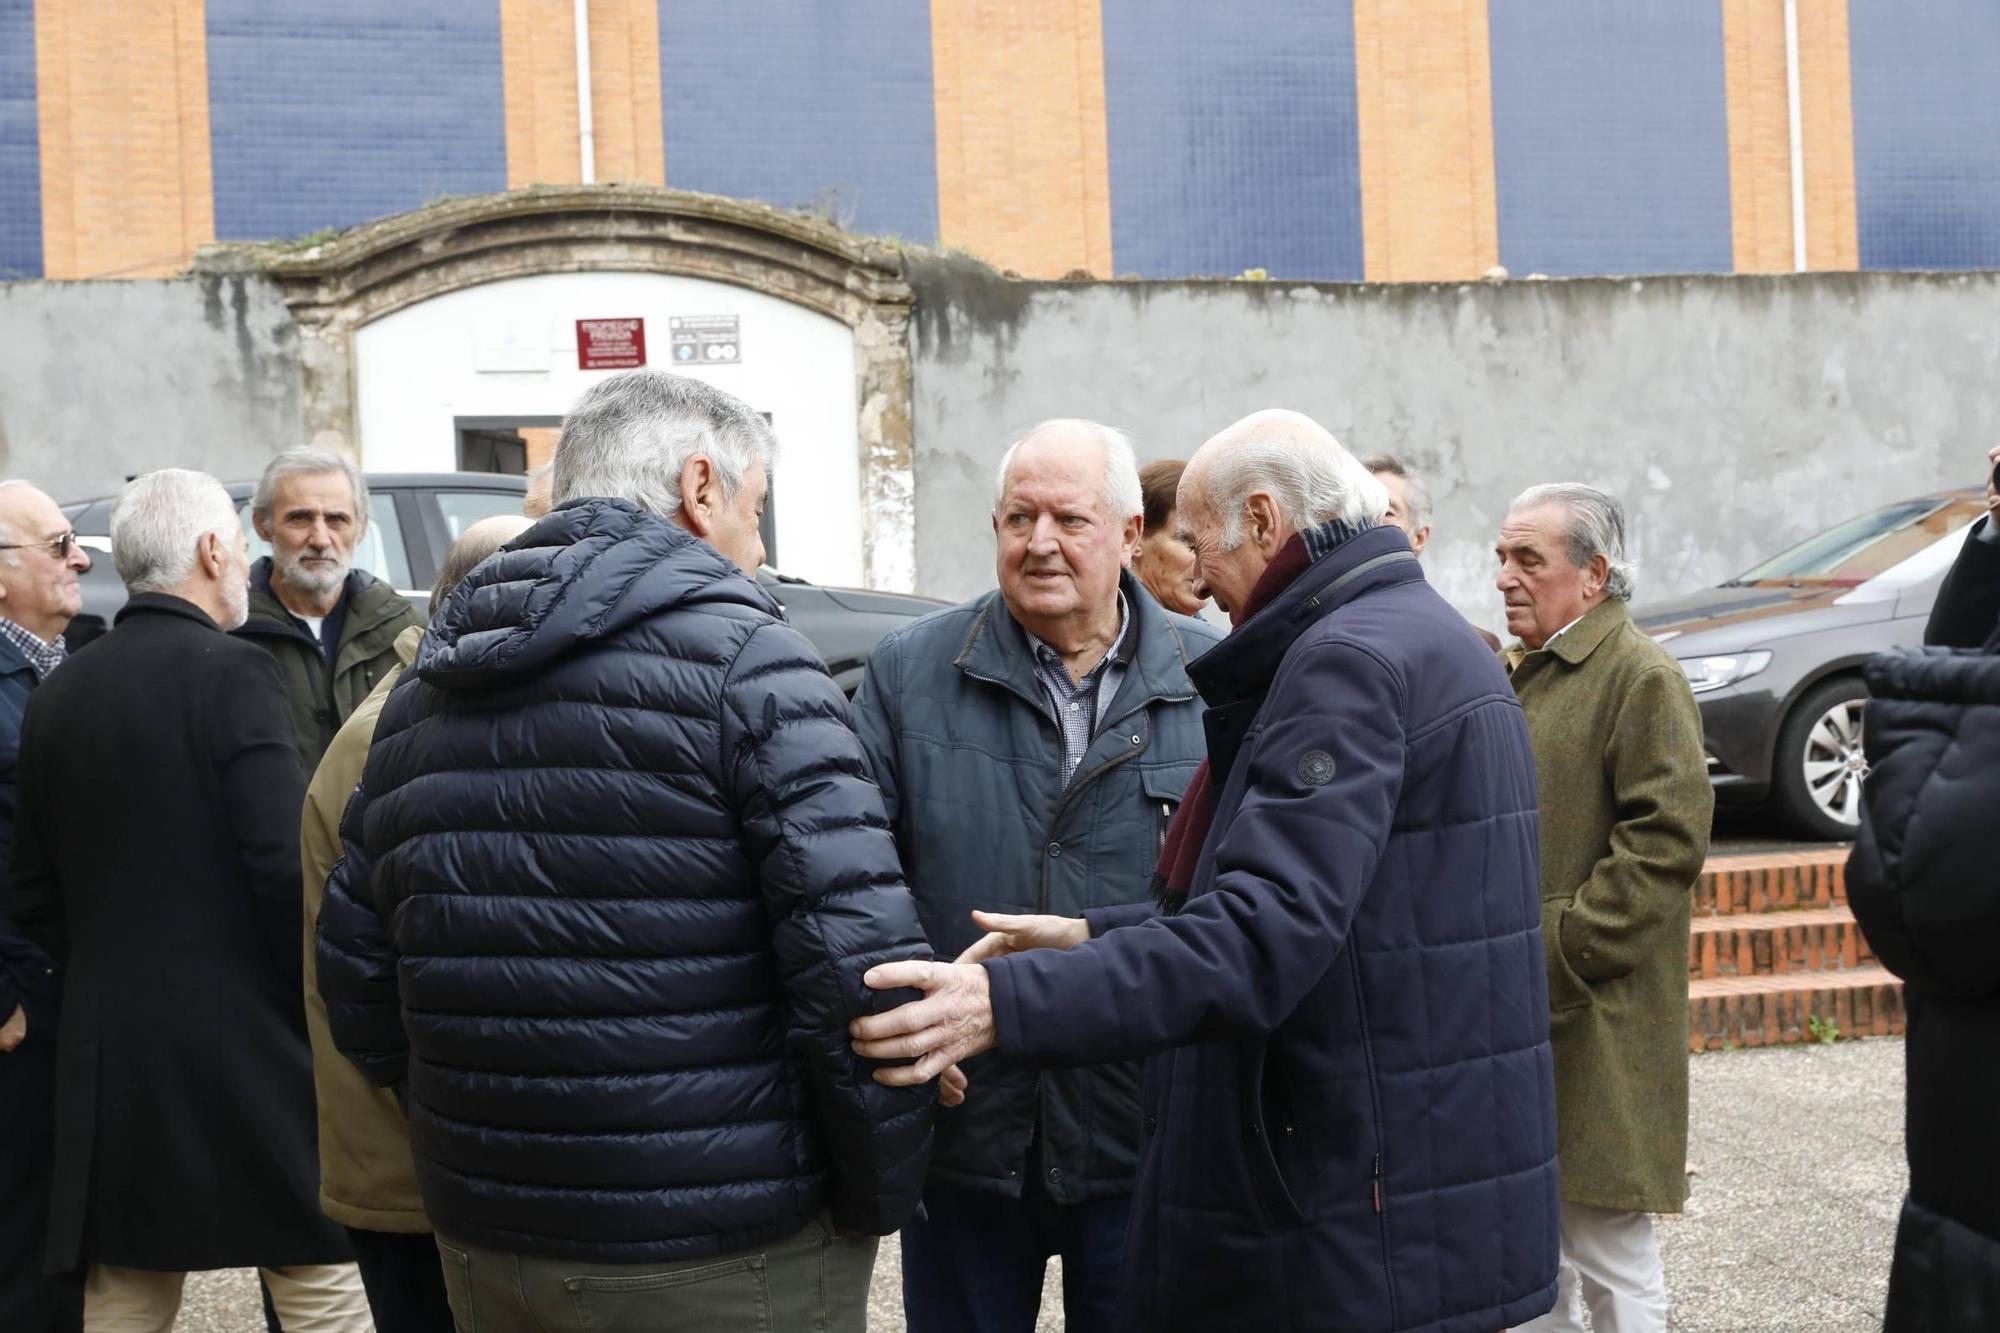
x: 1375, y: 1106
x: 1166, y: 823
x: 1376, y: 1176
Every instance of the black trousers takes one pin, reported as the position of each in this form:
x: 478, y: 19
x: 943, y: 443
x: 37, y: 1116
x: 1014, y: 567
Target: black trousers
x: 405, y: 1280
x: 29, y: 1301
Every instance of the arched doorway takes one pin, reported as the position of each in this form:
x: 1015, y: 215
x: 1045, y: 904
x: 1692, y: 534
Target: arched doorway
x: 434, y: 339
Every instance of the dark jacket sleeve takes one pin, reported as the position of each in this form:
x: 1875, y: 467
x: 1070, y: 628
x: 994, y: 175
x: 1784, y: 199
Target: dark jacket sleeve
x: 1967, y: 611
x: 875, y: 722
x: 1924, y: 877
x: 356, y: 962
x: 262, y: 789
x: 31, y: 921
x: 1290, y: 874
x: 834, y: 895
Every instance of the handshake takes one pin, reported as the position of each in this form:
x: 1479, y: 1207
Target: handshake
x: 954, y: 1019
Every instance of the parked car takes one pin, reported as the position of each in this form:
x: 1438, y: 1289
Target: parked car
x: 1775, y: 655
x: 413, y: 518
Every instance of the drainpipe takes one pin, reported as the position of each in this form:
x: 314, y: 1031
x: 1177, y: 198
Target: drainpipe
x: 1798, y: 150
x: 586, y: 133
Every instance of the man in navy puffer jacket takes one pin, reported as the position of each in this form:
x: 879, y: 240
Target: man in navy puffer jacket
x: 614, y: 873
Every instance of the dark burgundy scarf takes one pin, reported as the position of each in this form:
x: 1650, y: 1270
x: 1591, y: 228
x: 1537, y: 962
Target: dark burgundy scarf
x: 1174, y: 875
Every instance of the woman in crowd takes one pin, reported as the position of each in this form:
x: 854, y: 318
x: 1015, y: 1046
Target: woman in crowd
x: 1163, y: 562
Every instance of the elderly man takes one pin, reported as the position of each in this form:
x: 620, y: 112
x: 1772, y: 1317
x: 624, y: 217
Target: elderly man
x: 1031, y: 746
x: 1410, y: 510
x: 628, y: 871
x: 169, y: 901
x: 1625, y: 815
x: 331, y: 628
x: 368, y: 1182
x: 39, y: 564
x: 1350, y: 1111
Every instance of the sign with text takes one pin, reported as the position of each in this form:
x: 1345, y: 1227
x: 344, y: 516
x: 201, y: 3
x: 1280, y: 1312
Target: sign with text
x: 705, y: 340
x: 610, y: 344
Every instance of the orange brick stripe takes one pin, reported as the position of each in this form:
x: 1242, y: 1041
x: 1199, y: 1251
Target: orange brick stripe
x: 127, y: 186
x: 1024, y: 167
x: 1776, y: 943
x: 1424, y: 111
x: 1770, y: 1011
x: 1778, y: 881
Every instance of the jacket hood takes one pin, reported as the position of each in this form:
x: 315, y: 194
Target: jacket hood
x: 586, y: 572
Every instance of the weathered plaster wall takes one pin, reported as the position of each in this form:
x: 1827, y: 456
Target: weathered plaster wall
x: 102, y: 379
x: 1733, y: 414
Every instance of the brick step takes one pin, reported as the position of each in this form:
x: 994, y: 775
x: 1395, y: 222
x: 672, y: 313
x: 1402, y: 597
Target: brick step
x: 1771, y: 882
x: 1775, y: 1010
x: 1755, y: 944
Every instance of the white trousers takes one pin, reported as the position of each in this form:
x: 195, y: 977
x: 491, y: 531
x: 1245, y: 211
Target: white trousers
x: 1611, y: 1263
x: 313, y: 1298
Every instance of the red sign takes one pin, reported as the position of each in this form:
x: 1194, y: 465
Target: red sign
x: 610, y: 344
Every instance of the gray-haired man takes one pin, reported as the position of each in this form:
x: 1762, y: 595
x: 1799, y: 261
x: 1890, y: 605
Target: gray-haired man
x: 1032, y: 746
x: 331, y: 628
x: 1625, y: 804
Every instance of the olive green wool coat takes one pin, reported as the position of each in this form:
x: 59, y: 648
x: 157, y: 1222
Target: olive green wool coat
x: 1625, y: 804
x: 321, y: 700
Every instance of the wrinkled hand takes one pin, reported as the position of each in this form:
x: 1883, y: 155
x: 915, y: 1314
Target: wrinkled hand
x: 951, y: 1087
x: 14, y: 1031
x: 953, y: 1022
x: 1018, y: 934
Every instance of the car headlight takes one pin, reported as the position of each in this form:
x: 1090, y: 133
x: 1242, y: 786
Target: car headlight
x: 1712, y: 673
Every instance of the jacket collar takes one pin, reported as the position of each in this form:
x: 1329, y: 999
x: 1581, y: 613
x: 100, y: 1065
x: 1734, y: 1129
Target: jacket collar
x: 1243, y: 665
x: 165, y: 604
x: 1581, y: 639
x: 370, y: 603
x: 13, y: 661
x: 997, y: 650
x: 407, y: 643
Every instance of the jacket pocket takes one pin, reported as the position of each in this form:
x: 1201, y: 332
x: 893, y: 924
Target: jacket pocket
x: 1267, y: 1122
x: 1567, y: 990
x: 735, y: 1293
x: 1164, y: 788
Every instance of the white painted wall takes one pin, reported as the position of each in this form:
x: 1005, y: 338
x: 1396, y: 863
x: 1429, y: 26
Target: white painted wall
x: 508, y: 348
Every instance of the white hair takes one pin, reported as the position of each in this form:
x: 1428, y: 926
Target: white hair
x: 159, y: 520
x: 1311, y: 480
x: 1596, y: 526
x: 309, y: 460
x: 1123, y: 496
x: 8, y: 536
x: 1380, y: 465
x: 630, y: 435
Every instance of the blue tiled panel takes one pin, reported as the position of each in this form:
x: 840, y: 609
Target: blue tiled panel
x: 1610, y: 136
x: 1232, y: 138
x: 326, y: 115
x: 824, y: 102
x: 1926, y: 82
x: 20, y: 145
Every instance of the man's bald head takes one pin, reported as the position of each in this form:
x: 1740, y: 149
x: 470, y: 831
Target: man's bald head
x: 474, y: 545
x: 1288, y: 457
x: 1062, y: 440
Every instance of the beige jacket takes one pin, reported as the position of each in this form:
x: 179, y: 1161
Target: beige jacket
x: 367, y: 1179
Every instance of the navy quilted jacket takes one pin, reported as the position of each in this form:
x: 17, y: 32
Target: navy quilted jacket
x: 623, y: 873
x: 1350, y: 1110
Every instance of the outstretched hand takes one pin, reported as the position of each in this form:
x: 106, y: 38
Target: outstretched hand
x: 953, y: 1022
x: 1018, y: 934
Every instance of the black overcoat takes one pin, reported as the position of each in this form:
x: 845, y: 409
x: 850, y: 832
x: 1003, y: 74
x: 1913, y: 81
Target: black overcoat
x: 156, y: 860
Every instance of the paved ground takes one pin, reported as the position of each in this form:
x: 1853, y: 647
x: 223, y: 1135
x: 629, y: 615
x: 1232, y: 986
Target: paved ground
x: 1798, y: 1159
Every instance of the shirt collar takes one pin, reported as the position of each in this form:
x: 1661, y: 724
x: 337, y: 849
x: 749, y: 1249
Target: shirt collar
x: 1121, y: 647
x: 43, y: 657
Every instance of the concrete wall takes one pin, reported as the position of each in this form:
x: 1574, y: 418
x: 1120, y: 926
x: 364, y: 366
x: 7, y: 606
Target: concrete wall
x: 1733, y: 414
x: 101, y: 379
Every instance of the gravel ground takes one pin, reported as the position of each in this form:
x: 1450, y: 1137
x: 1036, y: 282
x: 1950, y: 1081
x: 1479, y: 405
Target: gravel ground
x: 1798, y: 1161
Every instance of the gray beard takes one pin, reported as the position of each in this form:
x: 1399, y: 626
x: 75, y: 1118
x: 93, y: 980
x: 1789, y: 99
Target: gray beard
x: 292, y: 573
x: 236, y: 601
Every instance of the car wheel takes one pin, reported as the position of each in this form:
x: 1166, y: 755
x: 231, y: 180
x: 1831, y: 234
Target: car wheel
x: 1816, y: 778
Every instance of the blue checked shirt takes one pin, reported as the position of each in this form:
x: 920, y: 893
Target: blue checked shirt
x: 1076, y: 705
x: 43, y: 657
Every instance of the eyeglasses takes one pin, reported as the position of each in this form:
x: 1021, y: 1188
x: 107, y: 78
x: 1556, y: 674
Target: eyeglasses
x: 60, y: 545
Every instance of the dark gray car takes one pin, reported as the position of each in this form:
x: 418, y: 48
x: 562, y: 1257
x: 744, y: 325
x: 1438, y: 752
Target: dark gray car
x: 413, y: 518
x: 1775, y: 656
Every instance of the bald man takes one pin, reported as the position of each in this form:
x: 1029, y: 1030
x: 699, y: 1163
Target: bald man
x: 39, y: 593
x: 368, y: 1182
x: 1350, y: 1111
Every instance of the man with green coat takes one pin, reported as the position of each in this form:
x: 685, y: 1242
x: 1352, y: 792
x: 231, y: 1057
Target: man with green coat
x: 1625, y: 804
x: 331, y: 628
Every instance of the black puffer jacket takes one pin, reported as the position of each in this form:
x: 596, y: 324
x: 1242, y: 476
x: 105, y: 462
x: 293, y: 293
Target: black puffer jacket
x: 631, y: 873
x: 1924, y: 880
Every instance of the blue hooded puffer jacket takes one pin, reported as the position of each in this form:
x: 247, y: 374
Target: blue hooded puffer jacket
x: 613, y: 875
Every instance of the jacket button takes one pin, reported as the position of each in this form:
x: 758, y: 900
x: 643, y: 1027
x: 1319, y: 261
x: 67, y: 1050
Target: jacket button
x: 1586, y: 953
x: 1136, y: 741
x: 1055, y: 1175
x: 1055, y: 849
x: 1256, y: 1130
x: 1151, y: 1124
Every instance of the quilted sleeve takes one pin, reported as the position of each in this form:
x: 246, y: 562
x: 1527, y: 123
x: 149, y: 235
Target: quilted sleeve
x: 357, y: 963
x: 833, y: 892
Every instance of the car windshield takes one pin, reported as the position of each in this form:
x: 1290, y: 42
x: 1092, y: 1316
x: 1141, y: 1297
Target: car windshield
x: 1865, y: 546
